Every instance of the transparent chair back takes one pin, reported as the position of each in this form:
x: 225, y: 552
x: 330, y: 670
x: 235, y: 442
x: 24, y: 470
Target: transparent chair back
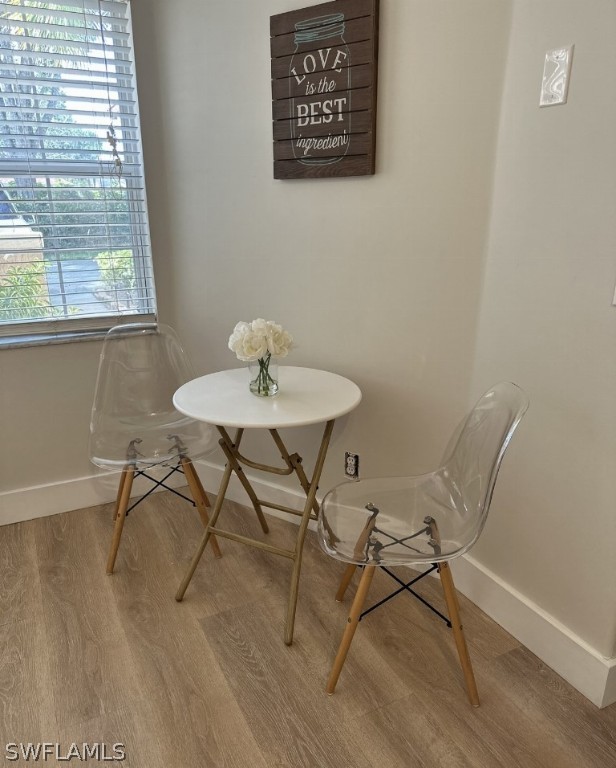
x: 432, y: 517
x: 133, y: 418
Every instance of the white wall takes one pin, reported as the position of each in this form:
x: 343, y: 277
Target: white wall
x: 378, y: 278
x: 547, y: 320
x: 45, y: 401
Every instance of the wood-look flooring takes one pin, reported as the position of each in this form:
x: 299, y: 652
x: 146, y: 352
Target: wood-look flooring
x: 209, y: 682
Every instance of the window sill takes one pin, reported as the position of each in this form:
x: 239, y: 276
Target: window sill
x: 65, y: 335
x: 44, y: 339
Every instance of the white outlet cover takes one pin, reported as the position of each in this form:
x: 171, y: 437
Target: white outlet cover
x: 556, y: 75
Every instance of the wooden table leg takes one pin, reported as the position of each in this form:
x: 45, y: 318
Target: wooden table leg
x: 224, y: 484
x: 232, y: 460
x: 303, y: 527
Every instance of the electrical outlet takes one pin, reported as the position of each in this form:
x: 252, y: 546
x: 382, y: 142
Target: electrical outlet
x: 351, y: 465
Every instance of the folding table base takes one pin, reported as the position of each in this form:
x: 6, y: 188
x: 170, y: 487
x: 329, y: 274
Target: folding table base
x: 293, y: 464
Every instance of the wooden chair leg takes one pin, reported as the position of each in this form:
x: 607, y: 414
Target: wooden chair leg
x: 453, y: 609
x: 352, y: 622
x: 126, y: 484
x: 119, y: 494
x: 201, y: 500
x: 345, y: 581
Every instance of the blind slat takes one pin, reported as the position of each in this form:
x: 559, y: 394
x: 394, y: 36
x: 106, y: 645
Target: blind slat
x: 10, y: 70
x: 21, y: 47
x: 72, y: 27
x: 25, y: 99
x: 68, y: 8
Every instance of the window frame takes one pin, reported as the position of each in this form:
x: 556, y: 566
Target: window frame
x: 43, y: 331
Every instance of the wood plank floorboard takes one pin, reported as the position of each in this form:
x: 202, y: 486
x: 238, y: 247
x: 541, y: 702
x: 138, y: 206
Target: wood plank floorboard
x: 198, y: 720
x: 285, y: 712
x: 88, y: 668
x: 587, y: 735
x: 24, y: 703
x: 209, y: 682
x: 19, y: 584
x: 133, y: 727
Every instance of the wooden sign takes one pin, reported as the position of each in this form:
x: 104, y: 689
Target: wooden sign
x: 324, y: 78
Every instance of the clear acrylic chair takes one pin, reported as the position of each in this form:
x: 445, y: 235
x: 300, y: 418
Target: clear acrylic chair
x: 423, y: 521
x: 134, y: 426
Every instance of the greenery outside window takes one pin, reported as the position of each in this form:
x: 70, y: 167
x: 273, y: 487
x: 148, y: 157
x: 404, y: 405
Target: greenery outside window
x: 74, y: 237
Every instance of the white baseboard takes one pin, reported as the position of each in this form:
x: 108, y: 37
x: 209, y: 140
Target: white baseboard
x: 562, y: 650
x: 78, y: 493
x: 609, y: 694
x: 567, y: 654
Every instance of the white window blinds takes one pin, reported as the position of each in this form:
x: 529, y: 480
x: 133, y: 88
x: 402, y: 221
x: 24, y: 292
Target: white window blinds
x: 74, y: 240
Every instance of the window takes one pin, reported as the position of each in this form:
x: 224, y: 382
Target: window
x: 74, y: 239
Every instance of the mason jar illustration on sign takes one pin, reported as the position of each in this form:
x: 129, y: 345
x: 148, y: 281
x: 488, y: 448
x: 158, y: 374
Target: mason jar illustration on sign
x: 319, y: 84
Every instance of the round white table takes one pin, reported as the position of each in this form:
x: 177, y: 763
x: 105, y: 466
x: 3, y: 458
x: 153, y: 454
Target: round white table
x: 306, y: 396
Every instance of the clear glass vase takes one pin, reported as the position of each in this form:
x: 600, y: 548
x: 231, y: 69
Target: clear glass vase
x: 264, y: 377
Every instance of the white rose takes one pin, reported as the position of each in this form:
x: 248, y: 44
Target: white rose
x: 235, y: 340
x: 253, y: 346
x: 278, y: 341
x: 259, y: 326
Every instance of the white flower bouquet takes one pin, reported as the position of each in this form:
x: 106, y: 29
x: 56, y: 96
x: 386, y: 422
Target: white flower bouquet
x: 258, y: 342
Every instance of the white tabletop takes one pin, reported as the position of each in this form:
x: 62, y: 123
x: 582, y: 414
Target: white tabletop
x: 306, y: 396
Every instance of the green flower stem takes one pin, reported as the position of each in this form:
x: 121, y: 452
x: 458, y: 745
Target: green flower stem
x: 264, y: 380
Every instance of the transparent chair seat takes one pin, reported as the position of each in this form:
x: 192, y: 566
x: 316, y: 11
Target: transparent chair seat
x: 400, y: 535
x: 133, y: 418
x: 432, y: 517
x: 154, y: 443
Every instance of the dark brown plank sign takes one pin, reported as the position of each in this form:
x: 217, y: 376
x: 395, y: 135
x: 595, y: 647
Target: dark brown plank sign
x: 324, y: 78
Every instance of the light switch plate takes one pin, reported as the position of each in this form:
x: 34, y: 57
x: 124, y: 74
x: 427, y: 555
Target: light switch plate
x: 556, y: 74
